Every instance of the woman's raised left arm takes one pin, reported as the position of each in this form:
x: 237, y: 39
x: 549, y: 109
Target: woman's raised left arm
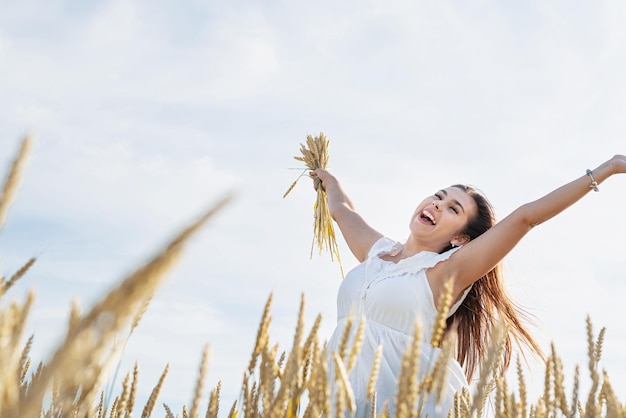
x: 480, y: 255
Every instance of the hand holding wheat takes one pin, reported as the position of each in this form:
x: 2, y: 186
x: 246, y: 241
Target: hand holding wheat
x: 314, y: 156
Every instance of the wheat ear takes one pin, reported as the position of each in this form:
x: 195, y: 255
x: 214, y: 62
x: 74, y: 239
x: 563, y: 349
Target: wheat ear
x: 214, y: 402
x: 168, y: 411
x: 356, y: 344
x: 488, y: 367
x: 593, y: 367
x: 16, y: 276
x: 370, y: 392
x: 100, y: 410
x: 523, y: 395
x: 197, y: 397
x: 233, y: 410
x: 147, y: 409
x: 133, y: 391
x: 407, y: 393
x: 24, y: 362
x: 13, y: 178
x: 445, y: 301
x: 345, y: 382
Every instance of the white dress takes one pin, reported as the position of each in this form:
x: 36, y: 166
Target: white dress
x: 392, y: 297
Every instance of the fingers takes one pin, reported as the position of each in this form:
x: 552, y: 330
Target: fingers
x: 317, y: 174
x: 318, y: 177
x: 316, y: 180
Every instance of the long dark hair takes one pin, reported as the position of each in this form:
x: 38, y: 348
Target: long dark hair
x: 485, y: 303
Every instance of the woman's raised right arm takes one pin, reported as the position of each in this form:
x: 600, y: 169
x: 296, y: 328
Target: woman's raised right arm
x: 357, y: 233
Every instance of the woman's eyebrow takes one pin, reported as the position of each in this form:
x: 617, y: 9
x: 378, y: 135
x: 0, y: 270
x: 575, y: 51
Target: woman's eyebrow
x: 456, y: 202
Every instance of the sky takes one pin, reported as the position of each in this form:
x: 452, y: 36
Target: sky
x: 145, y: 113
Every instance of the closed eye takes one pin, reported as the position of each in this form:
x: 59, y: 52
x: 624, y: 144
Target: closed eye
x: 440, y: 196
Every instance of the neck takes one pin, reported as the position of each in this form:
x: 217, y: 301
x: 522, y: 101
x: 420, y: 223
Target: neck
x: 413, y: 246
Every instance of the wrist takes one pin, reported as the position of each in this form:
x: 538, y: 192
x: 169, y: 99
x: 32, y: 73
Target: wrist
x: 329, y: 182
x: 615, y: 165
x: 604, y: 171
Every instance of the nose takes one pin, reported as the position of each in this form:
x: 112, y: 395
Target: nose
x: 436, y: 203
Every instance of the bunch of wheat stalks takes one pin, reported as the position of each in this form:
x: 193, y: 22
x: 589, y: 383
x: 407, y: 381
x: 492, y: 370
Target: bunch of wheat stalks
x: 314, y: 156
x: 276, y: 383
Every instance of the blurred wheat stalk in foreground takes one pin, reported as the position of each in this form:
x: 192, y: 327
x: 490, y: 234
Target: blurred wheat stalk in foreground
x: 276, y: 383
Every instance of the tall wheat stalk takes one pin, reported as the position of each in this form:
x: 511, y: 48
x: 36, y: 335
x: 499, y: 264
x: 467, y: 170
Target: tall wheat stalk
x: 13, y: 178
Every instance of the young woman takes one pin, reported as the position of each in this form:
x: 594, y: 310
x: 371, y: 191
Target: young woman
x: 453, y: 237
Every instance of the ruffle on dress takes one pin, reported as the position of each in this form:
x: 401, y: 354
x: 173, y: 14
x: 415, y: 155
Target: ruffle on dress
x: 420, y: 261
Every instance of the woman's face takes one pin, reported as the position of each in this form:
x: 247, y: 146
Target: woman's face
x: 441, y: 218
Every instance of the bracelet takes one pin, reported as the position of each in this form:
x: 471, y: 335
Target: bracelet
x: 594, y: 184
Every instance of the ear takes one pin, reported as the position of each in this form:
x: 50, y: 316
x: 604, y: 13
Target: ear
x: 460, y: 240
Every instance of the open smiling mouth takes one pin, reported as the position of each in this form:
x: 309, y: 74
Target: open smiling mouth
x: 427, y: 216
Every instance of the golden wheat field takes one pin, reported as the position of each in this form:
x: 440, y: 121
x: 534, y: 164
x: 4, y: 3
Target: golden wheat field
x: 278, y: 381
